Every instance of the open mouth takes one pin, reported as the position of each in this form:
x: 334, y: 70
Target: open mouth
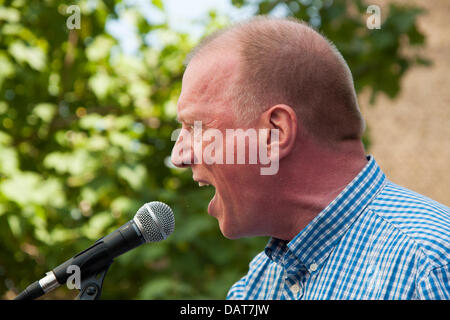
x: 204, y: 183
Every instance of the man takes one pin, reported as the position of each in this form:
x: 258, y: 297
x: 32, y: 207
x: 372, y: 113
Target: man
x: 339, y: 228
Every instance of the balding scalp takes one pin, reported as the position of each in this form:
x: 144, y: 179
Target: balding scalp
x: 284, y: 61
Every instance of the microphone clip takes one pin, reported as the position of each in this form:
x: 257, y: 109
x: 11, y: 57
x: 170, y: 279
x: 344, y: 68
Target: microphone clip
x: 91, y: 286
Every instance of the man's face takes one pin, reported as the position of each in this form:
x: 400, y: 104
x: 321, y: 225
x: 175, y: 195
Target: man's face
x: 204, y: 97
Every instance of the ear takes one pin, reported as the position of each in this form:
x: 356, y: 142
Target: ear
x: 282, y: 118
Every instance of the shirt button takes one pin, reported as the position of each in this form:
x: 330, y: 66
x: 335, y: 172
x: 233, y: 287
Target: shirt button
x: 295, y: 288
x: 313, y: 267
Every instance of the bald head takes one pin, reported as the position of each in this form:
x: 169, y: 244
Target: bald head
x: 284, y: 61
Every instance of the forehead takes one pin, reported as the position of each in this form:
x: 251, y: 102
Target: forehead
x: 205, y: 86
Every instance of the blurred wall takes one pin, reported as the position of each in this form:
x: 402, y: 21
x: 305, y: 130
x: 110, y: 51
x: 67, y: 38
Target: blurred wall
x: 411, y: 135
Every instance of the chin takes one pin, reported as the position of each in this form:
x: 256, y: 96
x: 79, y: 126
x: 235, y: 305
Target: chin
x: 229, y: 231
x: 230, y: 235
x: 233, y: 231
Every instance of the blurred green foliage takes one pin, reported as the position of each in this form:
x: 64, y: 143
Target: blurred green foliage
x: 85, y: 136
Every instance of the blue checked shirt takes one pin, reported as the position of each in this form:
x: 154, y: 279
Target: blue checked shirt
x: 376, y: 240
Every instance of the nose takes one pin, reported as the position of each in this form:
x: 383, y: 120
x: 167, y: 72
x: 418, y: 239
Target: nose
x: 182, y: 153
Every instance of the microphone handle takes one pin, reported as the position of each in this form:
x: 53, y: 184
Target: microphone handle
x: 100, y: 254
x: 93, y: 259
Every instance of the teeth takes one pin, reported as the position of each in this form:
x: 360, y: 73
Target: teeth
x: 201, y: 184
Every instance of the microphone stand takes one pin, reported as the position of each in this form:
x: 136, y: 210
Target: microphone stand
x: 91, y: 286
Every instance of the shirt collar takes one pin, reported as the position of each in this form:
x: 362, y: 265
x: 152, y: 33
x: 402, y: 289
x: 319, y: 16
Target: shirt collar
x: 311, y: 247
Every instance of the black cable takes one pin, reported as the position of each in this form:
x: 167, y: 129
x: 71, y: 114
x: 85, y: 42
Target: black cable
x: 32, y: 292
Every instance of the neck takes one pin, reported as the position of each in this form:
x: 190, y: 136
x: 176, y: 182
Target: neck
x: 310, y: 178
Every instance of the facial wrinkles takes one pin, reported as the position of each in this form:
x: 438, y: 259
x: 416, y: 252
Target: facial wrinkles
x: 195, y: 106
x: 198, y: 104
x: 211, y: 75
x: 205, y: 98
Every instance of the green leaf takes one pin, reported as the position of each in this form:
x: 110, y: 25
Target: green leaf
x: 9, y: 14
x: 45, y: 111
x: 97, y: 225
x: 14, y: 225
x: 135, y: 175
x: 158, y: 3
x: 75, y: 163
x: 34, y: 56
x: 100, y: 48
x: 29, y: 188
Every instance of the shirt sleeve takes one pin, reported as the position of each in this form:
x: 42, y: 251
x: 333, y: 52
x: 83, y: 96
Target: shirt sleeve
x: 435, y: 285
x: 239, y: 291
x: 236, y: 292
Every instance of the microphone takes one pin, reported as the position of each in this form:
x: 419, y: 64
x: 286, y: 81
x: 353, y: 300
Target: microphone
x: 153, y: 222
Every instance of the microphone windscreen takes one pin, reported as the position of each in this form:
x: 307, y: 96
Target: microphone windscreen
x: 155, y: 220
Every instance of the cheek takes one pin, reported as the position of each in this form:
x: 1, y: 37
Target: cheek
x: 237, y: 184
